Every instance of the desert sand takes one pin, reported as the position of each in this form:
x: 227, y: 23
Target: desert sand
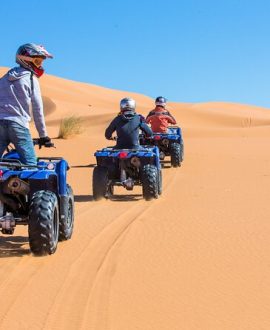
x: 196, y: 258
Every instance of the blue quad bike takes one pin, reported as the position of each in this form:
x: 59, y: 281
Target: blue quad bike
x: 127, y: 168
x: 169, y: 144
x: 37, y: 196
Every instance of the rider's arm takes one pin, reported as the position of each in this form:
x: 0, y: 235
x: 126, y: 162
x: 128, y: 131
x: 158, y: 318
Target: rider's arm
x: 110, y: 129
x: 146, y: 129
x: 37, y: 108
x: 148, y: 119
x: 171, y: 120
x: 170, y: 115
x: 142, y: 118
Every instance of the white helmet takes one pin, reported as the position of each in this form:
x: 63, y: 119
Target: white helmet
x: 127, y: 104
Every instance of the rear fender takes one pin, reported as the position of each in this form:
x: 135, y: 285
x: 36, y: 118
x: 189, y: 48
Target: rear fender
x: 61, y: 171
x: 50, y: 183
x: 177, y: 136
x: 156, y: 156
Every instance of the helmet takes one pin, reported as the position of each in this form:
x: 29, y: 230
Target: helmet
x: 127, y: 108
x: 31, y: 56
x: 127, y: 104
x: 161, y: 101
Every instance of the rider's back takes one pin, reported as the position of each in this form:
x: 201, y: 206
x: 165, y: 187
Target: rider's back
x: 127, y: 129
x: 159, y: 119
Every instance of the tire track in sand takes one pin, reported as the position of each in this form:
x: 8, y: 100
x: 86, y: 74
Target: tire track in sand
x: 97, y: 306
x: 82, y: 278
x: 96, y: 276
x: 62, y: 316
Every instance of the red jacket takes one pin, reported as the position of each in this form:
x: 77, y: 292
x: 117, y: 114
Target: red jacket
x: 159, y: 119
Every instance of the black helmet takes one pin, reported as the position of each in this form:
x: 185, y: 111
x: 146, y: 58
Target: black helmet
x: 161, y: 101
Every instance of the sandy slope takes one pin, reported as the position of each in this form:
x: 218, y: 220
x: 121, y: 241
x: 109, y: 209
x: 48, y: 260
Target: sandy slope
x: 197, y: 258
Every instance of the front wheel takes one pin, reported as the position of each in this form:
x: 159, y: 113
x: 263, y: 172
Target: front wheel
x: 150, y: 181
x: 43, y: 226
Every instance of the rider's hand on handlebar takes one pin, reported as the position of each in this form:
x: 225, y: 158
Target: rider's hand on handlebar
x: 45, y: 141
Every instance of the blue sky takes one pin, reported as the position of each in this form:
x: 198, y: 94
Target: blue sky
x: 185, y: 50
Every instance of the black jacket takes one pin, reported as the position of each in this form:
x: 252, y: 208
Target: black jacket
x: 127, y: 129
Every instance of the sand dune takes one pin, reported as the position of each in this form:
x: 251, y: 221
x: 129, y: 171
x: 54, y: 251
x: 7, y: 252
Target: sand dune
x: 197, y: 258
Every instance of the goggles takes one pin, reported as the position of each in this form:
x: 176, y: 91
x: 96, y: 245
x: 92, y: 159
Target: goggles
x: 37, y: 61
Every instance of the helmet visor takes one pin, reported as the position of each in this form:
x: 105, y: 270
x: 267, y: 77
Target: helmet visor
x: 37, y: 61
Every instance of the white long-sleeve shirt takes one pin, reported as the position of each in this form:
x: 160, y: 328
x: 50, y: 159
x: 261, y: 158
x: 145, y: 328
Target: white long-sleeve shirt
x: 17, y: 92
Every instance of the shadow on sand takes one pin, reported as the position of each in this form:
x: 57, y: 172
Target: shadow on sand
x: 114, y: 198
x: 126, y: 198
x: 166, y: 164
x: 83, y: 198
x: 84, y: 166
x: 11, y: 246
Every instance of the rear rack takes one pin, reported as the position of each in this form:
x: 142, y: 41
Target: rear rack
x: 50, y: 158
x: 6, y: 160
x: 17, y: 165
x: 14, y: 163
x: 127, y: 150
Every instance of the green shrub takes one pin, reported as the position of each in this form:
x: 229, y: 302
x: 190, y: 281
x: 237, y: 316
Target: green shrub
x: 70, y: 126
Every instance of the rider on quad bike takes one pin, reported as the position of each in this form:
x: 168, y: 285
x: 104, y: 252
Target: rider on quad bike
x: 127, y: 126
x: 127, y: 164
x: 160, y: 118
x: 37, y: 196
x: 19, y: 88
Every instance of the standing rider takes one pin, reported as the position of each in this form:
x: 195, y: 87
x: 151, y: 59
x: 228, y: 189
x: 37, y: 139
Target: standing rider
x: 127, y: 126
x: 160, y: 118
x: 19, y: 89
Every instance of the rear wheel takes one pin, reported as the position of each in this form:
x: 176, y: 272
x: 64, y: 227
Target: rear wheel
x: 100, y: 183
x: 175, y: 151
x: 182, y: 151
x: 43, y: 226
x: 149, y: 182
x: 66, y: 221
x: 110, y: 190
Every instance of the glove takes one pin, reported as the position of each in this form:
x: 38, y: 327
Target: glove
x: 44, y: 140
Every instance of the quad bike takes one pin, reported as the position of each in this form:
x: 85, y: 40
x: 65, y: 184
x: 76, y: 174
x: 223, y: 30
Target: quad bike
x: 169, y: 144
x: 127, y: 168
x: 37, y: 196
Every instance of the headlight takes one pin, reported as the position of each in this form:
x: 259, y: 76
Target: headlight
x: 50, y: 166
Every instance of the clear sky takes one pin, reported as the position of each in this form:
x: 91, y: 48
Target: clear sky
x: 185, y: 50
